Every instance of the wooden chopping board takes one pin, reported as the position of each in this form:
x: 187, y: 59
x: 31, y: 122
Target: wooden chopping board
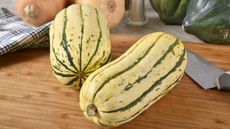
x: 31, y: 97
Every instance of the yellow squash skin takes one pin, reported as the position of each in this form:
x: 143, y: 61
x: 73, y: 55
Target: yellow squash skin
x: 121, y: 90
x: 79, y: 44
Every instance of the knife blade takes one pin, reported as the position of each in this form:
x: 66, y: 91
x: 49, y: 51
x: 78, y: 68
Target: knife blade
x: 205, y: 73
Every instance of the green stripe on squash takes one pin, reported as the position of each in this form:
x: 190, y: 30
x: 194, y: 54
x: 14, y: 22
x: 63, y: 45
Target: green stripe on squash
x: 65, y: 42
x: 98, y: 42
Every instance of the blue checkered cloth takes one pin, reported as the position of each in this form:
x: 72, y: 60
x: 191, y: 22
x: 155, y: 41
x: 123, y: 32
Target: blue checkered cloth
x: 16, y: 34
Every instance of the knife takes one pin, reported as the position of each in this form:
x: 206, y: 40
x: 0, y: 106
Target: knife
x: 206, y: 74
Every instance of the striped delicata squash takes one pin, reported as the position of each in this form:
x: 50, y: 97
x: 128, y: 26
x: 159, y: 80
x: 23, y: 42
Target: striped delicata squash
x: 121, y: 90
x: 79, y: 44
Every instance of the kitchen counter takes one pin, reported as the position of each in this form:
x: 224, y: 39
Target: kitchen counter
x: 154, y: 24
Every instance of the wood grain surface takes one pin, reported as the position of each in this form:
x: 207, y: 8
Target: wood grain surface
x: 31, y: 97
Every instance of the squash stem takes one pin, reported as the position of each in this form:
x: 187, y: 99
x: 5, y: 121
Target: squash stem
x: 91, y: 110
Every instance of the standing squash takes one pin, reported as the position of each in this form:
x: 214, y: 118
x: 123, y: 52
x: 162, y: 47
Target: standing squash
x: 209, y: 20
x: 171, y: 11
x: 121, y: 90
x: 79, y: 44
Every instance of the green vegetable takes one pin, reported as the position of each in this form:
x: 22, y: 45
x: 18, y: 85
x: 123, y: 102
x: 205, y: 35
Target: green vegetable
x: 171, y: 11
x: 209, y: 20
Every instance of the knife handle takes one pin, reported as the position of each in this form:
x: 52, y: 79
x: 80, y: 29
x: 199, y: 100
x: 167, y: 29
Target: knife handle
x: 223, y: 81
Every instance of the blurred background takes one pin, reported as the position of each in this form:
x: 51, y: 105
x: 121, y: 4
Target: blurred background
x: 154, y: 24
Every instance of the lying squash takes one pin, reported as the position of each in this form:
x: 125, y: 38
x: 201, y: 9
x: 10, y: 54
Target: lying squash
x: 121, y: 90
x: 209, y: 20
x: 79, y: 44
x: 171, y: 11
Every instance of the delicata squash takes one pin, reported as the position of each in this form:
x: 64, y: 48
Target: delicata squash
x: 121, y: 90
